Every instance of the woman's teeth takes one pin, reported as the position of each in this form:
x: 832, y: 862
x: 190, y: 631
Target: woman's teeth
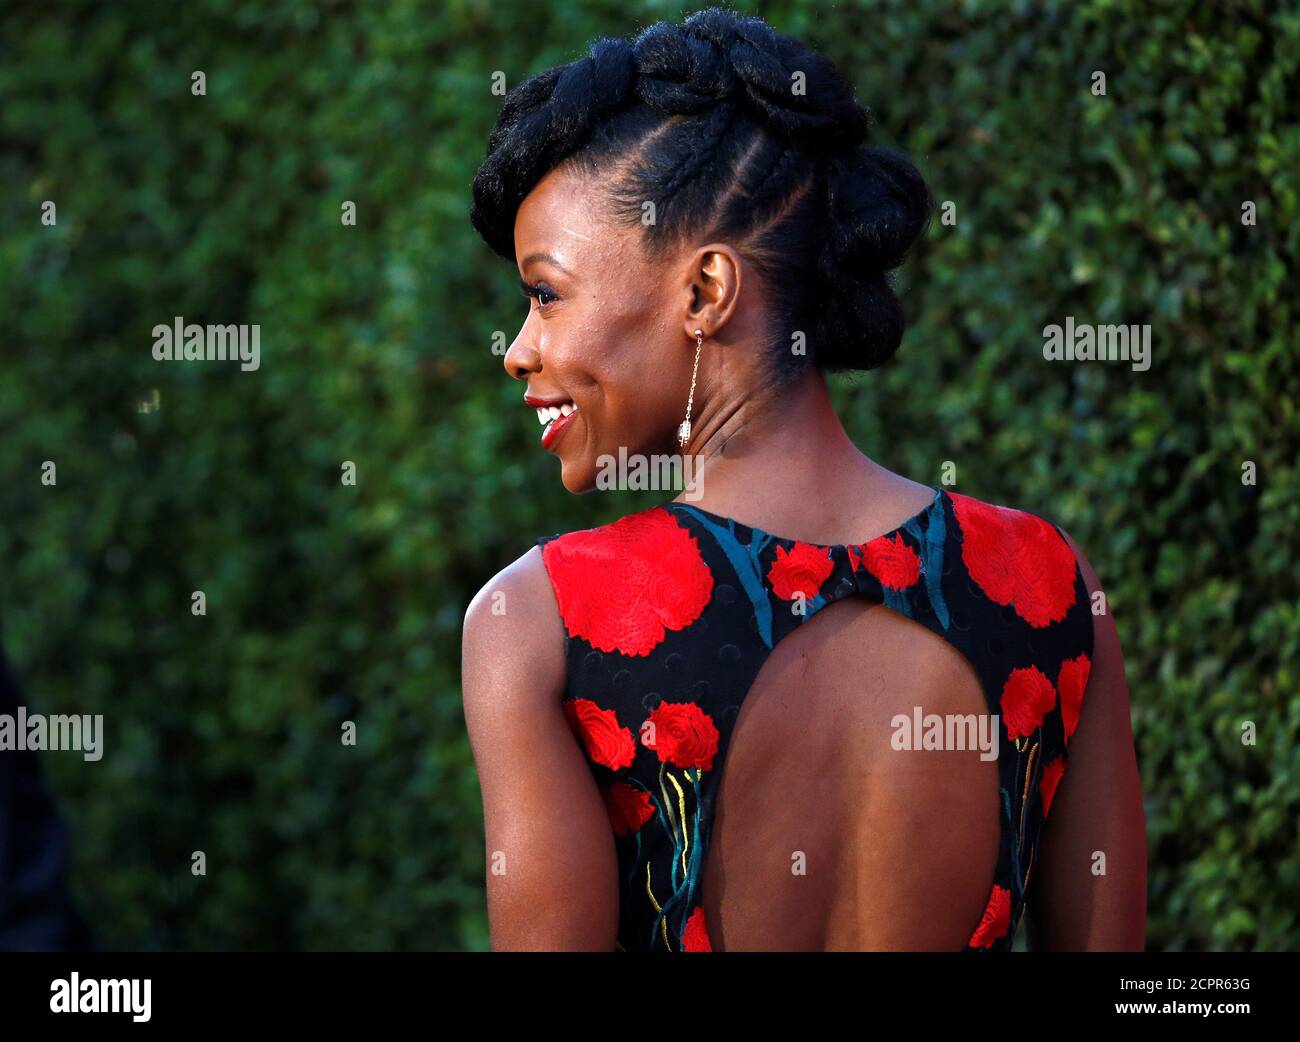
x: 554, y: 412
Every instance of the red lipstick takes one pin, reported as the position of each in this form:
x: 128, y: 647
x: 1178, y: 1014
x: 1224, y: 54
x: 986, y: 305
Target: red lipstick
x: 555, y: 424
x: 555, y: 428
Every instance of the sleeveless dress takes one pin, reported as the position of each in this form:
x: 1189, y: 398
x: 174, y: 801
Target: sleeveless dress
x: 670, y: 613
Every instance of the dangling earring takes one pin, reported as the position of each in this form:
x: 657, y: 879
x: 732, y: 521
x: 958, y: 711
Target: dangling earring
x: 684, y: 431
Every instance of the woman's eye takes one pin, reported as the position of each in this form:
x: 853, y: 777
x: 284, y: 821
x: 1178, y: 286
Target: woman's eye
x: 539, y: 291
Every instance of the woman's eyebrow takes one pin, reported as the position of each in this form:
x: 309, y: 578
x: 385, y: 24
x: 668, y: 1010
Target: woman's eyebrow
x: 544, y: 257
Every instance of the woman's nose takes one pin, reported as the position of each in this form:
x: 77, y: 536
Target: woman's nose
x: 522, y: 358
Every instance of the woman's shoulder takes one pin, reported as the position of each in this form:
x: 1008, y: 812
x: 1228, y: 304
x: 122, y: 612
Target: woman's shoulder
x: 1029, y: 565
x: 1008, y: 538
x: 563, y: 566
x: 1005, y: 519
x: 511, y: 625
x: 567, y: 566
x: 617, y: 584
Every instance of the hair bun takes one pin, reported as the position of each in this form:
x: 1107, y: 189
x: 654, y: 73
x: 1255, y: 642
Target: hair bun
x: 877, y: 206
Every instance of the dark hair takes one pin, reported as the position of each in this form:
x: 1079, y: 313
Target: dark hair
x: 702, y: 120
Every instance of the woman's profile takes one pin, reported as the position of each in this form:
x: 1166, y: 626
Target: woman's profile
x: 814, y: 705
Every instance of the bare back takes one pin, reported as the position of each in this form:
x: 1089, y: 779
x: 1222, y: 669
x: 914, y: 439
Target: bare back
x: 803, y: 746
x: 827, y: 837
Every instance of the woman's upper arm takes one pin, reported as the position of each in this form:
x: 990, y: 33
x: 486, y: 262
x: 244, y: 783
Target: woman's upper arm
x: 552, y: 870
x: 1090, y: 888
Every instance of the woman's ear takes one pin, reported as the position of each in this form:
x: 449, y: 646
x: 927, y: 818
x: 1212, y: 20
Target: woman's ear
x: 713, y: 280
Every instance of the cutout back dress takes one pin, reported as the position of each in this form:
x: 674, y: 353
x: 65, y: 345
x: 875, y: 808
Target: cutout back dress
x: 669, y: 614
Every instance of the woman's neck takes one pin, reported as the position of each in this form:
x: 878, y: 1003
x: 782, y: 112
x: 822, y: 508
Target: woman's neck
x: 783, y: 461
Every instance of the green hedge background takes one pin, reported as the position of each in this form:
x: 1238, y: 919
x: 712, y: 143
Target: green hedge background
x: 329, y: 602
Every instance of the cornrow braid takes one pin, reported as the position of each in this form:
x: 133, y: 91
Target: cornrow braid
x: 788, y: 164
x: 714, y: 128
x: 733, y: 130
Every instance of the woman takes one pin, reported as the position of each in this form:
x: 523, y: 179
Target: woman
x: 704, y: 232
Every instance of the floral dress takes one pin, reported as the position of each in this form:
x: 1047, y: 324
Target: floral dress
x: 670, y: 613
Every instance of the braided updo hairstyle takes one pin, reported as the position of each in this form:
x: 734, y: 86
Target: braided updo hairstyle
x: 703, y: 119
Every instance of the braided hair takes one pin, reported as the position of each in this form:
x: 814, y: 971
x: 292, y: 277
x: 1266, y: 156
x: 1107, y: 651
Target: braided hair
x: 703, y: 120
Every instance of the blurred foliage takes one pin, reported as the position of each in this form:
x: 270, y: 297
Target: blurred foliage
x: 329, y: 602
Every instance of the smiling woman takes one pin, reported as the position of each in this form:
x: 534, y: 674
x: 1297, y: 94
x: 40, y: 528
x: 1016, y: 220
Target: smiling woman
x: 673, y: 756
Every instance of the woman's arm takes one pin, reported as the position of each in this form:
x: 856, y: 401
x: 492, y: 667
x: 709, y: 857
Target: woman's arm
x: 1096, y: 810
x: 552, y: 870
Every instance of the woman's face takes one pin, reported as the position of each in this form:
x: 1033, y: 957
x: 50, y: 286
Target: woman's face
x: 607, y: 332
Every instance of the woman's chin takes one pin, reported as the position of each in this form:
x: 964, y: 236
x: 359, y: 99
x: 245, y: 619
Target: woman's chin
x: 577, y: 476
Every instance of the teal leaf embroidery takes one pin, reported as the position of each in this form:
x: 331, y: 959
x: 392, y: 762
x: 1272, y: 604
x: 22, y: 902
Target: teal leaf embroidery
x: 932, y: 544
x: 897, y: 600
x: 744, y: 560
x: 684, y: 888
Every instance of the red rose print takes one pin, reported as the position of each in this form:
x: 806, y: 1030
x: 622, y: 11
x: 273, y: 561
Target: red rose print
x: 695, y: 938
x: 629, y: 808
x: 623, y: 586
x: 892, y: 561
x: 800, y: 570
x: 1017, y: 559
x: 1051, y: 779
x: 1027, y: 697
x: 684, y: 735
x: 996, y: 921
x: 855, y: 557
x: 607, y: 742
x: 1072, y: 682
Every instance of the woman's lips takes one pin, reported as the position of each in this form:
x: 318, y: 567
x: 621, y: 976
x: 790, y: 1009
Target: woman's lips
x: 555, y: 413
x: 556, y: 424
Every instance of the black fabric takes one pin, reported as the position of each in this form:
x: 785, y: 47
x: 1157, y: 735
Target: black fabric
x: 712, y: 662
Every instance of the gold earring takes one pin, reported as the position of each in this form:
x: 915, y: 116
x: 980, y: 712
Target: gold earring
x: 684, y: 431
